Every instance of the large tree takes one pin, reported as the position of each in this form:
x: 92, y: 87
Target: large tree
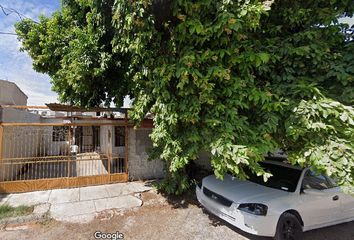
x: 238, y: 79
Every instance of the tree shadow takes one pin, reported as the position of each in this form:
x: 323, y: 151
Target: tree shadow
x: 195, y: 174
x: 176, y: 201
x: 181, y: 201
x: 3, y: 196
x: 151, y: 182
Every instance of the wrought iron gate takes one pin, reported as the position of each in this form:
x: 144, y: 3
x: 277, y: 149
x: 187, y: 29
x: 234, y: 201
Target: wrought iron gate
x: 38, y: 156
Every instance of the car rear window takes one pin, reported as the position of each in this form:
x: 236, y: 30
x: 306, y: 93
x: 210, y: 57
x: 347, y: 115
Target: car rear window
x: 284, y: 178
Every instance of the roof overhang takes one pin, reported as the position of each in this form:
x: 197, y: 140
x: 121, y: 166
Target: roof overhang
x: 69, y: 108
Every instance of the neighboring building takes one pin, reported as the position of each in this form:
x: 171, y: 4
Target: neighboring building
x: 11, y: 94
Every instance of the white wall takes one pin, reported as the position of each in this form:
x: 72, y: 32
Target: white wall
x: 50, y: 147
x: 106, y: 139
x: 118, y: 151
x: 107, y: 142
x: 18, y: 142
x: 27, y: 141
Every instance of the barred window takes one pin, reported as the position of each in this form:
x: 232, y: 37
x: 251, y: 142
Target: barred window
x: 119, y: 136
x: 59, y: 133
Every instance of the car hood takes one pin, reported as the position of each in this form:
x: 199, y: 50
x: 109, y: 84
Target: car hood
x: 242, y: 191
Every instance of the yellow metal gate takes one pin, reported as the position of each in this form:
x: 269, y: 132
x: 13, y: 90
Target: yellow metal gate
x: 39, y: 156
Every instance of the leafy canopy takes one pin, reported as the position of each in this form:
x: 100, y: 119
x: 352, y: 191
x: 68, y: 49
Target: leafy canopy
x: 238, y: 79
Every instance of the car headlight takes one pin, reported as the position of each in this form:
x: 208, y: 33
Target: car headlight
x: 254, y: 208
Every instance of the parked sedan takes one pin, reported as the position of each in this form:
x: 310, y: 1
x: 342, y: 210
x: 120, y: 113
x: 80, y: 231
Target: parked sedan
x: 293, y: 200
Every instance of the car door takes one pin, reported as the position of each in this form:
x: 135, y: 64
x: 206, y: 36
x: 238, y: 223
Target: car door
x: 347, y: 205
x: 346, y: 201
x: 320, y: 203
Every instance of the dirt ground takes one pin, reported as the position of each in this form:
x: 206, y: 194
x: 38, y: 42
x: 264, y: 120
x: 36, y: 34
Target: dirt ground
x: 158, y: 218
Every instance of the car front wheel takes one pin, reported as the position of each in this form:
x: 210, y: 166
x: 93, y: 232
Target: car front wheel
x: 288, y: 228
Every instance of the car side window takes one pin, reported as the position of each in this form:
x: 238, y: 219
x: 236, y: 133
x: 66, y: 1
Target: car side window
x: 332, y: 182
x: 314, y: 181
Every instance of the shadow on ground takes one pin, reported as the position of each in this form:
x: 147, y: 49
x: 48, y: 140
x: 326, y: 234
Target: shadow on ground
x: 195, y: 174
x: 3, y: 196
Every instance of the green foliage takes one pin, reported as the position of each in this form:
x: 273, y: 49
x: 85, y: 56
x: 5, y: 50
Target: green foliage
x: 176, y: 183
x: 74, y: 48
x: 227, y: 77
x: 321, y: 132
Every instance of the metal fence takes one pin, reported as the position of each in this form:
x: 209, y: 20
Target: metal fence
x: 36, y: 156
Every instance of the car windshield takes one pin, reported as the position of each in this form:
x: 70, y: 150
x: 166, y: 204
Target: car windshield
x: 284, y: 178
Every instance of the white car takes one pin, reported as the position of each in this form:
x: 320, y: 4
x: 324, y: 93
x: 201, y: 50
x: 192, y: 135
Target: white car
x: 293, y: 200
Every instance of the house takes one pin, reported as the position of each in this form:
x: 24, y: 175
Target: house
x: 11, y: 94
x: 102, y: 130
x: 58, y: 146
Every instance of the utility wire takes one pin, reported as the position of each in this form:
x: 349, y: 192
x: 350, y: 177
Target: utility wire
x: 9, y: 11
x: 8, y: 33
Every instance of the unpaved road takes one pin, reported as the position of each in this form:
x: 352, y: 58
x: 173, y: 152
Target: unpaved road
x: 159, y: 218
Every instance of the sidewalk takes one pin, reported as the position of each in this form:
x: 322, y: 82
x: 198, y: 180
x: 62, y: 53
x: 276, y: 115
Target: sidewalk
x: 81, y: 204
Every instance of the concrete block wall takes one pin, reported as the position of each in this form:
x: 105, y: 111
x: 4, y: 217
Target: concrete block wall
x: 139, y: 167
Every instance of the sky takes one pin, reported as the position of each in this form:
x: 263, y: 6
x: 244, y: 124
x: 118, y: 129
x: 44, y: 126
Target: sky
x: 16, y: 66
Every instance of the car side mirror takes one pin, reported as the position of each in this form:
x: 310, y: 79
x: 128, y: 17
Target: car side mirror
x: 312, y: 191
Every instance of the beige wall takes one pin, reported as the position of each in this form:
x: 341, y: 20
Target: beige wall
x: 10, y: 94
